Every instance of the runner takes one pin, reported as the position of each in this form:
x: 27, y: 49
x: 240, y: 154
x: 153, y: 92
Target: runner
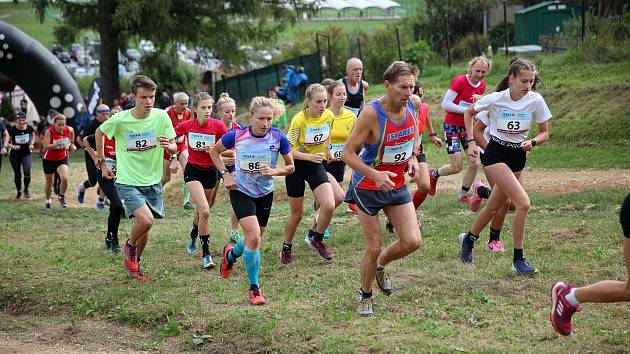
x: 309, y: 135
x: 281, y: 121
x: 142, y: 134
x: 566, y: 300
x: 116, y: 209
x: 58, y: 140
x: 356, y: 87
x: 19, y: 142
x: 4, y: 136
x: 342, y: 125
x: 251, y: 187
x: 511, y: 112
x: 201, y: 176
x: 178, y: 113
x: 226, y: 108
x: 387, y: 131
x: 458, y: 97
x: 102, y: 113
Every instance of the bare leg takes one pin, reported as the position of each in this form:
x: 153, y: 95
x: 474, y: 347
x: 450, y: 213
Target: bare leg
x: 405, y: 221
x: 297, y: 210
x: 608, y: 290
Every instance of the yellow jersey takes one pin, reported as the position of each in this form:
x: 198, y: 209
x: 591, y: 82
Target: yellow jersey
x: 309, y: 134
x: 340, y: 130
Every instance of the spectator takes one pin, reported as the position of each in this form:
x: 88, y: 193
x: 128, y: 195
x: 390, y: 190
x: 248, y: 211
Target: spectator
x: 164, y: 100
x: 83, y: 118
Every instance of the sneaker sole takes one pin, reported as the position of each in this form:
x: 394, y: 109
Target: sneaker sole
x: 317, y: 252
x: 554, y: 303
x: 514, y: 270
x: 386, y: 292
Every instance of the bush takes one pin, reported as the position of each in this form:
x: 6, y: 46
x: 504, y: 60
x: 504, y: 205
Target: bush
x: 471, y: 45
x: 168, y: 72
x: 496, y: 35
x: 417, y: 53
x: 6, y: 108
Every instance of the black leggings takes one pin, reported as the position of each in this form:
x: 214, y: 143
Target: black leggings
x: 115, y: 205
x: 92, y: 172
x: 23, y: 161
x: 624, y: 216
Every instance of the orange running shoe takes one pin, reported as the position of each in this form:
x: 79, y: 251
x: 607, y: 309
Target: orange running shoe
x: 256, y: 296
x: 226, y: 266
x: 131, y: 260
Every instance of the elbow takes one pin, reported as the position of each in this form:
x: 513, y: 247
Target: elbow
x: 290, y: 169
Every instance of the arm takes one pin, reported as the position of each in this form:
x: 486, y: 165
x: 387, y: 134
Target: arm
x: 365, y: 131
x: 287, y: 169
x: 46, y: 144
x: 215, y: 155
x: 88, y: 148
x: 448, y: 105
x: 434, y: 139
x: 541, y: 137
x: 5, y: 142
x: 366, y: 86
x: 71, y: 145
x: 168, y: 144
x: 478, y: 129
x: 468, y: 121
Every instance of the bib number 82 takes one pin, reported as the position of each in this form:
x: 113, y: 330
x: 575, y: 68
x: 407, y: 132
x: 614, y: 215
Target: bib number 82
x: 141, y: 143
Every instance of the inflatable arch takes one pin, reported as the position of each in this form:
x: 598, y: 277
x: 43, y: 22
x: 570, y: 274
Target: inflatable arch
x: 27, y: 63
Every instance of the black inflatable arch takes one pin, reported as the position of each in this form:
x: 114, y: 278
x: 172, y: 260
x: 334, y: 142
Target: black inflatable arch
x: 26, y: 62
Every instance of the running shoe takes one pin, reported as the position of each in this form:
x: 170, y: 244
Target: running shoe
x: 466, y: 253
x: 131, y: 261
x: 48, y: 202
x: 561, y: 309
x: 475, y: 202
x: 100, y: 205
x: 365, y: 306
x: 138, y: 274
x: 26, y: 194
x: 286, y: 256
x: 495, y: 246
x: 320, y: 248
x: 192, y: 246
x: 256, y: 296
x: 522, y: 267
x: 206, y: 262
x: 389, y: 226
x: 463, y: 198
x: 18, y: 196
x: 235, y: 237
x: 383, y: 282
x: 107, y: 244
x: 62, y: 201
x: 188, y: 206
x: 352, y: 208
x: 115, y: 246
x: 433, y: 181
x: 226, y: 266
x: 327, y: 234
x: 81, y: 193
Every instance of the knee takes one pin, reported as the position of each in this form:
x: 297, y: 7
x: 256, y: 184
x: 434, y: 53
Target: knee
x: 523, y: 205
x: 423, y: 187
x: 204, y: 213
x: 457, y: 166
x: 326, y: 207
x: 296, y: 214
x: 252, y: 241
x: 473, y: 163
x: 413, y: 244
x: 373, y: 252
x: 145, y: 221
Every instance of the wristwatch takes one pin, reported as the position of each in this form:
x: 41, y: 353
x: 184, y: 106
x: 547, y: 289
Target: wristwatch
x: 173, y: 157
x: 533, y: 142
x: 223, y: 172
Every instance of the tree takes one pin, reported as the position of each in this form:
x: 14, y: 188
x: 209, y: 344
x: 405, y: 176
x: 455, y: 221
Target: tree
x: 217, y: 25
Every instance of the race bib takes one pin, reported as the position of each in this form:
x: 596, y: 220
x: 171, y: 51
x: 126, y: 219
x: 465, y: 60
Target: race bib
x: 198, y: 141
x: 316, y: 135
x: 464, y: 104
x: 22, y: 139
x: 111, y: 163
x: 62, y: 142
x: 510, y: 122
x: 397, y: 154
x: 141, y: 141
x: 335, y: 151
x: 251, y: 162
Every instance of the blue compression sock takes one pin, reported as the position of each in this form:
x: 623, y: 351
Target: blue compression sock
x: 251, y: 258
x: 236, y: 251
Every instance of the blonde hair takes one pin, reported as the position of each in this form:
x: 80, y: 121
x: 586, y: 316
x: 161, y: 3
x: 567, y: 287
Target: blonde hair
x: 264, y: 102
x: 481, y: 58
x: 57, y: 117
x: 200, y: 96
x: 310, y: 91
x: 223, y: 99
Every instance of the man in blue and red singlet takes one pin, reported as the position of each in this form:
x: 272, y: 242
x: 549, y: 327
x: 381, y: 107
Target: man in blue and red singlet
x: 387, y: 130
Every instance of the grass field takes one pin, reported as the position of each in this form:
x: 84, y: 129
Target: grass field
x: 22, y: 16
x: 56, y: 279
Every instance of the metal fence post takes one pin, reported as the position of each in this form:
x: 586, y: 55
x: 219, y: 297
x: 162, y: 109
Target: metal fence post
x: 398, y: 43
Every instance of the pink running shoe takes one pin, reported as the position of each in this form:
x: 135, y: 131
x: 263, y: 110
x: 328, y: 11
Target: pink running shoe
x: 561, y: 309
x: 495, y: 246
x: 463, y: 198
x: 433, y: 182
x: 475, y: 202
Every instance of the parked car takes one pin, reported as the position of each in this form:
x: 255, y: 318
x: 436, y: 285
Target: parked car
x: 133, y: 67
x: 133, y: 54
x: 56, y: 49
x: 63, y: 57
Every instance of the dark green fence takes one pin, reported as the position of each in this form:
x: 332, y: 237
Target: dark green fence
x: 255, y: 83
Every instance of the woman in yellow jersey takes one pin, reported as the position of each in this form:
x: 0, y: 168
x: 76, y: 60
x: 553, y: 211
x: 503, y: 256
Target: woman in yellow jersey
x: 309, y: 136
x: 342, y: 125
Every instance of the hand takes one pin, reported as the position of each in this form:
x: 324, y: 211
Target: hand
x: 317, y: 158
x: 382, y: 180
x: 526, y: 145
x: 413, y: 167
x: 436, y: 141
x: 472, y: 151
x: 265, y: 170
x: 329, y: 156
x: 107, y: 172
x: 228, y: 181
x: 207, y: 148
x: 31, y: 148
x: 3, y: 151
x: 228, y: 161
x: 164, y: 141
x: 73, y: 147
x: 174, y: 166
